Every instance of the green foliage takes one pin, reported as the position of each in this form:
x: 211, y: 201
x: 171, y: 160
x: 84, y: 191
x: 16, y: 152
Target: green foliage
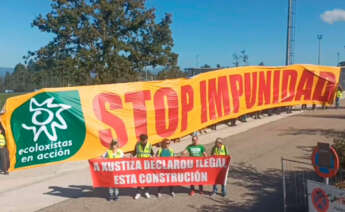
x: 244, y: 57
x: 205, y: 66
x: 342, y: 63
x: 4, y: 96
x: 235, y: 59
x: 240, y: 58
x: 171, y: 73
x: 24, y: 78
x: 339, y: 146
x: 100, y: 41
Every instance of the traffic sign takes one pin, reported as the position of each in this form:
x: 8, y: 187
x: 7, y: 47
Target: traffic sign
x: 325, y: 160
x: 320, y: 200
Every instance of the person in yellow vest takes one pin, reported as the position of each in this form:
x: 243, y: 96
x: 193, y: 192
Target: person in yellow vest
x: 165, y: 151
x: 114, y: 152
x: 338, y: 96
x: 219, y: 149
x: 3, y: 153
x: 143, y: 149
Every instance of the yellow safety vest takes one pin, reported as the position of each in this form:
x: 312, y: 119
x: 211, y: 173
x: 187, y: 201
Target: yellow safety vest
x: 144, y: 153
x: 222, y: 151
x: 111, y: 154
x: 339, y: 94
x: 170, y: 150
x: 2, y: 140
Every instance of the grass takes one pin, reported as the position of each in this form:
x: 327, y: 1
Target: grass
x: 4, y: 96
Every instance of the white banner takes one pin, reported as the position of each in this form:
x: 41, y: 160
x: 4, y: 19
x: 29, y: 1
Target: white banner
x: 322, y: 197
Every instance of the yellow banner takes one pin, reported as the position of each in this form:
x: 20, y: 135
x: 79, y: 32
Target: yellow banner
x: 77, y: 123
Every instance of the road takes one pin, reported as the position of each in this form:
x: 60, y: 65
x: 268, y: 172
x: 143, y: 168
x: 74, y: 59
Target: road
x: 254, y: 179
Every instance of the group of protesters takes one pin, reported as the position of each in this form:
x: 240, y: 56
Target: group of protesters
x: 277, y: 110
x: 144, y: 149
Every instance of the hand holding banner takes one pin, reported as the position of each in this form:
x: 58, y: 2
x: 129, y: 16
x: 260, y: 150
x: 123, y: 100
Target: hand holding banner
x: 163, y: 171
x: 78, y: 123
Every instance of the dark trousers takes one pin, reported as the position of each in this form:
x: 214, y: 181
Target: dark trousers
x: 171, y: 189
x: 337, y: 102
x: 4, y: 159
x: 201, y: 188
x: 145, y: 189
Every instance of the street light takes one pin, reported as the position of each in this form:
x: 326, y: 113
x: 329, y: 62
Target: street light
x: 319, y: 37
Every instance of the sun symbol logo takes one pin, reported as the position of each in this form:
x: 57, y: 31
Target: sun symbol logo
x: 46, y: 118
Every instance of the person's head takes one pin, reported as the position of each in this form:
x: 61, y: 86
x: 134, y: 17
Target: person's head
x: 195, y: 140
x: 143, y: 138
x: 114, y: 144
x: 195, y: 133
x: 165, y: 143
x: 219, y: 142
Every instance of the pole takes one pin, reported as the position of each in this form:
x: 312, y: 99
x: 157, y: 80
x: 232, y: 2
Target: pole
x: 327, y: 180
x: 319, y: 37
x: 318, y: 60
x: 284, y: 185
x: 288, y: 36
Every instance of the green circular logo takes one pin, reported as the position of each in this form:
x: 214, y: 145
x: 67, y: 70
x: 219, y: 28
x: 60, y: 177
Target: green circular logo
x: 47, y: 128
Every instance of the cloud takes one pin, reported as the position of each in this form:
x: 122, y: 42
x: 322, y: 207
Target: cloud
x: 331, y: 16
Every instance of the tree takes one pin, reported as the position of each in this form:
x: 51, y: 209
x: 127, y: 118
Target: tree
x: 342, y: 63
x: 2, y: 84
x: 205, y: 66
x: 113, y: 40
x: 7, y: 81
x: 218, y: 66
x: 339, y: 146
x: 19, y: 78
x: 244, y: 57
x: 172, y: 73
x: 261, y: 63
x: 235, y: 59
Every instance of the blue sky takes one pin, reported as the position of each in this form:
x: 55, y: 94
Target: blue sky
x: 210, y: 30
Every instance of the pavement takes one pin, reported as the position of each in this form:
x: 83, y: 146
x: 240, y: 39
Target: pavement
x: 256, y: 148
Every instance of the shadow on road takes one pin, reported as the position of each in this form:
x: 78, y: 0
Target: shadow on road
x: 328, y: 133
x: 307, y: 150
x: 77, y: 191
x: 326, y: 116
x: 264, y: 191
x: 82, y: 191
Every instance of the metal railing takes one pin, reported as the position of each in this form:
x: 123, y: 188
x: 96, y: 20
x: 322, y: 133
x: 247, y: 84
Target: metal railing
x: 294, y: 176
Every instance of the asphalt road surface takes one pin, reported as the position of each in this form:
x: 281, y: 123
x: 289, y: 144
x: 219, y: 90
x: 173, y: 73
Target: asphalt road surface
x: 255, y: 175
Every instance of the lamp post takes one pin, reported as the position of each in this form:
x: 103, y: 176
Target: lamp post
x: 319, y: 37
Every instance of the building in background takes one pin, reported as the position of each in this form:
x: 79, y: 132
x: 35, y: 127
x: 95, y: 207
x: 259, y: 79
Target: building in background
x: 195, y: 71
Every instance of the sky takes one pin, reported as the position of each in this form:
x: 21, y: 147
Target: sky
x: 208, y: 31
